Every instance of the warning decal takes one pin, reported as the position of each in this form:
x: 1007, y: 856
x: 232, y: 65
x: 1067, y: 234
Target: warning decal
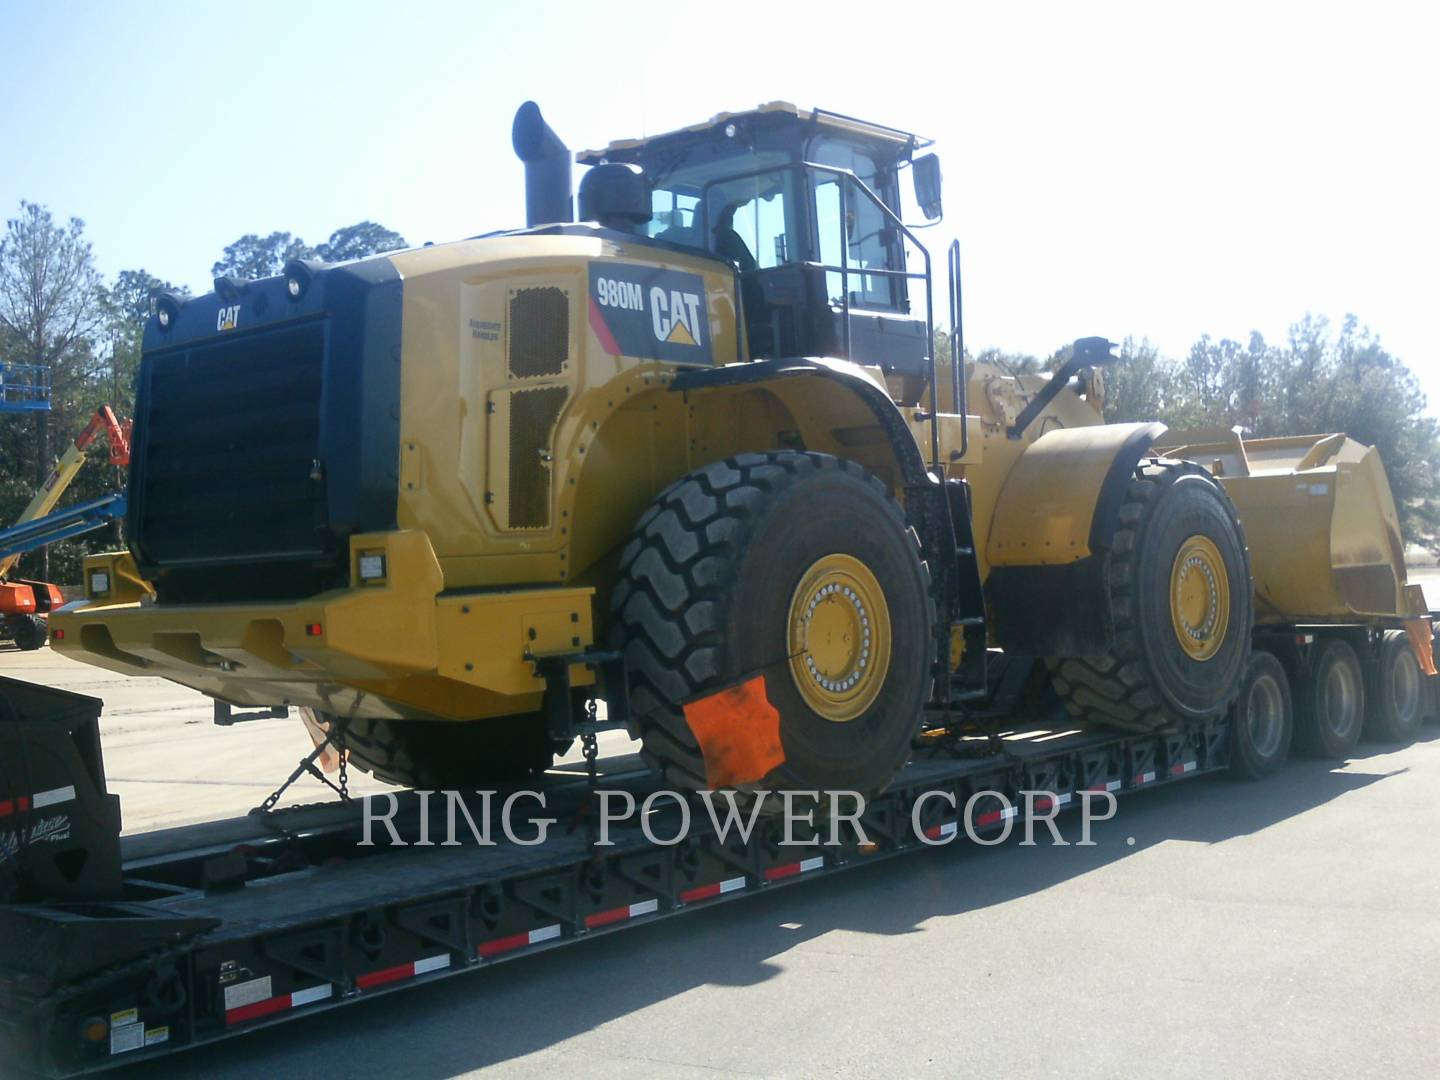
x: 649, y: 313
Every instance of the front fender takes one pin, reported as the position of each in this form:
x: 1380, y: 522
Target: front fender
x: 1060, y: 501
x: 1054, y: 522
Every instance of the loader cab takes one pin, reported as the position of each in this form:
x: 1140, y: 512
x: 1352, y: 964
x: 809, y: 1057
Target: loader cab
x: 805, y: 206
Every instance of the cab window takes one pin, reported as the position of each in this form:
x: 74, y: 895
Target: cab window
x: 674, y: 211
x: 864, y: 240
x: 751, y: 219
x: 679, y: 195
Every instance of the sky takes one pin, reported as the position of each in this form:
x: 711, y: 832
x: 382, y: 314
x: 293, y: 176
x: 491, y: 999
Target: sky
x: 1157, y: 170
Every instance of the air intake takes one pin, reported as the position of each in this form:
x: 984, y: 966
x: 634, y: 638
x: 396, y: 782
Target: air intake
x: 537, y: 333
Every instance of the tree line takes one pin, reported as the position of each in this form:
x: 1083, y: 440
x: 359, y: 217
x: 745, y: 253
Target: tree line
x: 1322, y: 378
x: 58, y: 311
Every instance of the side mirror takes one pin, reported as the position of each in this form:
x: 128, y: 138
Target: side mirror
x: 927, y: 186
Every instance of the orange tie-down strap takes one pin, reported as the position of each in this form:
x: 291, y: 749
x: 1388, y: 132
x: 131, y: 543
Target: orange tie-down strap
x: 1422, y: 643
x: 739, y: 734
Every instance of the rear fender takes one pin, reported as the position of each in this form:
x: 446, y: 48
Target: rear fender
x: 836, y: 407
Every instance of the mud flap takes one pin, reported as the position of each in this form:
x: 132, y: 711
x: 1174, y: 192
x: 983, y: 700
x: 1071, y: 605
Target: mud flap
x: 59, y: 828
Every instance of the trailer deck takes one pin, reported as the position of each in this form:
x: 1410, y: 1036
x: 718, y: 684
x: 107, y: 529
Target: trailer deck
x: 230, y: 926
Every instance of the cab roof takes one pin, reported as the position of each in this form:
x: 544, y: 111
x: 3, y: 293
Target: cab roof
x: 835, y: 121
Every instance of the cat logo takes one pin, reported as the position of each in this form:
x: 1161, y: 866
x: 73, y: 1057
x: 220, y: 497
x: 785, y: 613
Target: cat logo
x: 675, y: 316
x: 649, y: 312
x: 227, y: 317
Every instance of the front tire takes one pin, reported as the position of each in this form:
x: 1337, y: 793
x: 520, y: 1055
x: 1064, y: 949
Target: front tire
x: 29, y: 632
x: 797, y: 568
x: 1177, y: 582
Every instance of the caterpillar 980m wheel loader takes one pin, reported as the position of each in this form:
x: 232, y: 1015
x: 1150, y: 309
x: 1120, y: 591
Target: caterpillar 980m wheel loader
x: 688, y: 453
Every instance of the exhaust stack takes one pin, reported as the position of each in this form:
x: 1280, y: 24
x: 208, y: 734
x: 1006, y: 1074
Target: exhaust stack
x: 547, y: 167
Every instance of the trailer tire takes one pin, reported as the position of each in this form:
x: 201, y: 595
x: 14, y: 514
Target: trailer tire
x: 1396, y: 699
x: 1177, y: 565
x: 1262, y: 720
x: 439, y: 754
x: 29, y: 632
x: 713, y: 590
x: 1330, y: 702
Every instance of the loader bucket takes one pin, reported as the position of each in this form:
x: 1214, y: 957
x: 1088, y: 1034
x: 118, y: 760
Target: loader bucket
x: 1319, y: 519
x: 59, y: 828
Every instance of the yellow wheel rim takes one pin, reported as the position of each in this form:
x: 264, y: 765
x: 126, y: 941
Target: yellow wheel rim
x: 839, y: 637
x: 1199, y: 598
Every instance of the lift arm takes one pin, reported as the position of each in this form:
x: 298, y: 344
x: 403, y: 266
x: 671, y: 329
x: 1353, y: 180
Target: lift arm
x: 61, y: 525
x: 68, y: 466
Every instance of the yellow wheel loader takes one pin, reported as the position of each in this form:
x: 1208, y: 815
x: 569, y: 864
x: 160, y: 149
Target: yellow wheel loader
x: 688, y: 452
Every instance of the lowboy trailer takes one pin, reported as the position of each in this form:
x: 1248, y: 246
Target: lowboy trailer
x: 208, y: 931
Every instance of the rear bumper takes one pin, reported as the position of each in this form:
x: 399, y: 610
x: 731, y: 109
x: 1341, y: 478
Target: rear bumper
x: 397, y: 649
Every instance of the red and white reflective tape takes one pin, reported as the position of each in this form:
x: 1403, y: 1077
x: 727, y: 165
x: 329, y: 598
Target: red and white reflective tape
x: 1145, y: 777
x: 804, y: 866
x: 518, y: 941
x: 1110, y: 785
x: 940, y: 832
x: 620, y: 914
x: 994, y: 817
x: 38, y: 801
x: 717, y: 888
x: 402, y: 971
x: 1041, y: 805
x: 1182, y: 768
x: 294, y: 1000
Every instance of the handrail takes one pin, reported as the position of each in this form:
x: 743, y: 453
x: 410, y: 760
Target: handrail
x: 24, y: 387
x: 934, y: 414
x: 959, y: 383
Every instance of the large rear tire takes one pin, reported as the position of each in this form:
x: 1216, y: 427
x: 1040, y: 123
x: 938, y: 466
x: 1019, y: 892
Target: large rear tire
x: 1177, y: 582
x: 440, y: 754
x: 795, y: 567
x: 1330, y: 702
x: 1396, y: 701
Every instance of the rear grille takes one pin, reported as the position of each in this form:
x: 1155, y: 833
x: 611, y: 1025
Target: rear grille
x: 538, y: 332
x: 229, y: 453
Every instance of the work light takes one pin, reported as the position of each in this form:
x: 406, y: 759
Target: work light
x: 372, y: 566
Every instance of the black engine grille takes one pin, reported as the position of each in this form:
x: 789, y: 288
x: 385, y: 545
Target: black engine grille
x: 229, y: 450
x: 538, y: 332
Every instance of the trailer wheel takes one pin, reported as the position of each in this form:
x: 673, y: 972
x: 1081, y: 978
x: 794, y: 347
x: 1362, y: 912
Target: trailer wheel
x: 1177, y: 580
x: 1330, y: 709
x: 1395, y: 703
x: 439, y: 754
x: 29, y: 632
x: 1262, y: 719
x: 797, y: 569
